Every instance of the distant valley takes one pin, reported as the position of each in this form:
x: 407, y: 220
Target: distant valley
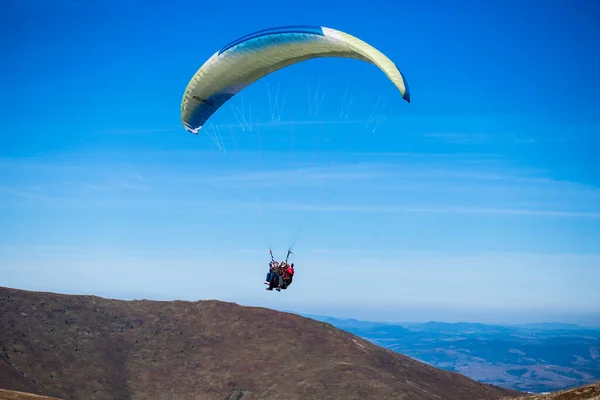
x: 533, y: 358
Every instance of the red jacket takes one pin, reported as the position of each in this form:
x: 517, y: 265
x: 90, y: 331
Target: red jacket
x: 289, y: 271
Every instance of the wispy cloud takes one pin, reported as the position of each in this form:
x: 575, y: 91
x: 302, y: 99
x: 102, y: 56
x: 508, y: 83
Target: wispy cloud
x: 281, y: 123
x: 435, y: 210
x: 63, y: 185
x: 475, y: 138
x: 137, y: 131
x: 398, y: 176
x: 313, y: 175
x: 21, y: 191
x: 460, y: 137
x: 111, y: 182
x: 112, y: 186
x: 399, y: 182
x: 94, y: 188
x: 133, y: 186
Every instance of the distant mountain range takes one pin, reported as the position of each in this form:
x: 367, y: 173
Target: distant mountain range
x: 536, y: 358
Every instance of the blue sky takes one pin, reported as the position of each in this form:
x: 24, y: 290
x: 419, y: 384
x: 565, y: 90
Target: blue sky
x: 479, y: 200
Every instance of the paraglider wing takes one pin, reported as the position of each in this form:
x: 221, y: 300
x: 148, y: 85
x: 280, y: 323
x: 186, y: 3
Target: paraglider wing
x: 251, y: 57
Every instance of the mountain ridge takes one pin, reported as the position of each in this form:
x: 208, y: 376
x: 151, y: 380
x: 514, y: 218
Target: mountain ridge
x: 80, y: 346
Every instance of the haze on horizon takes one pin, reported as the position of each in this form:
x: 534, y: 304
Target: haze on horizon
x: 478, y: 201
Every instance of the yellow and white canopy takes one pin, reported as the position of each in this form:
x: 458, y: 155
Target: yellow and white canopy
x: 251, y: 57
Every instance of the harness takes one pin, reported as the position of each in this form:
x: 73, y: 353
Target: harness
x: 279, y: 269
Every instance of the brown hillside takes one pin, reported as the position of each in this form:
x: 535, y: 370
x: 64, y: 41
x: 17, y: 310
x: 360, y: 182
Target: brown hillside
x: 587, y: 392
x: 9, y: 377
x: 86, y: 347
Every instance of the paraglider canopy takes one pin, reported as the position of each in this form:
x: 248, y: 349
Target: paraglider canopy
x: 247, y: 59
x: 253, y: 56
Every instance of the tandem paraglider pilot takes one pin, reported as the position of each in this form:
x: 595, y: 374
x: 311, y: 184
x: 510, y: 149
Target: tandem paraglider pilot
x: 280, y: 275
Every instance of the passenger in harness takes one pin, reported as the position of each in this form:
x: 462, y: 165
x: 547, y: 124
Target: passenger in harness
x: 288, y: 275
x: 274, y: 276
x: 280, y: 274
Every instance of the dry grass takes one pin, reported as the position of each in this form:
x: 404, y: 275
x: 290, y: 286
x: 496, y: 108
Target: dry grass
x: 85, y: 347
x: 588, y: 392
x: 13, y: 395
